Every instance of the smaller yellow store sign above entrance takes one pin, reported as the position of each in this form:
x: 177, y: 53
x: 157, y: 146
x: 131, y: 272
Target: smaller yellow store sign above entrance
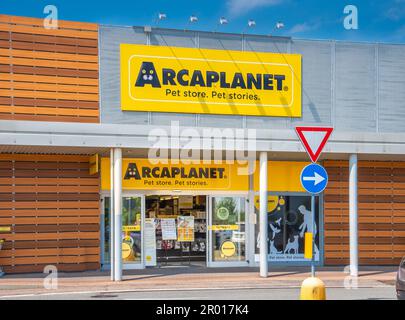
x: 189, y: 80
x: 141, y: 174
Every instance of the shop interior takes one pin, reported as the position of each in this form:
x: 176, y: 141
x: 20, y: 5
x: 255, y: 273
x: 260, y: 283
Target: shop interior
x: 181, y: 227
x: 174, y: 231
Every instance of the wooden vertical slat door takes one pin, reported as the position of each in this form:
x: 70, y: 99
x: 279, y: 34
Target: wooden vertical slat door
x: 381, y: 212
x: 52, y: 206
x: 48, y: 74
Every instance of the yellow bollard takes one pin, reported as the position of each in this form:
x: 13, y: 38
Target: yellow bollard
x: 313, y: 289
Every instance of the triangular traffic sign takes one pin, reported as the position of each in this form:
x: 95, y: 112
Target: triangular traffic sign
x: 314, y: 139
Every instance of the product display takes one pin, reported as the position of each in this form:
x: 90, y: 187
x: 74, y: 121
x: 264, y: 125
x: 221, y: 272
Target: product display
x: 184, y: 215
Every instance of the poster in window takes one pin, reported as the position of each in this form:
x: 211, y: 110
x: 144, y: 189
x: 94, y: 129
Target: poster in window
x: 168, y: 226
x: 185, y: 228
x: 287, y: 224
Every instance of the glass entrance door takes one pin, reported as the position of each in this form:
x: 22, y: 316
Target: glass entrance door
x: 227, y: 231
x: 132, y: 236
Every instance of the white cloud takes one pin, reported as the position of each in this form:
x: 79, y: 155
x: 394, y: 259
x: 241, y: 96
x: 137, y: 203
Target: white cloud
x: 304, y: 27
x: 396, y: 11
x: 240, y: 7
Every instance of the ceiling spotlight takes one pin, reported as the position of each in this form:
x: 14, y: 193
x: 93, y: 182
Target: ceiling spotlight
x: 223, y: 20
x: 193, y: 18
x: 279, y: 25
x: 162, y: 16
x: 251, y: 23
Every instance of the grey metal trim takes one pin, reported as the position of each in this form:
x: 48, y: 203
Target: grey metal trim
x: 332, y: 84
x: 100, y: 67
x: 29, y: 133
x: 377, y: 88
x: 286, y: 38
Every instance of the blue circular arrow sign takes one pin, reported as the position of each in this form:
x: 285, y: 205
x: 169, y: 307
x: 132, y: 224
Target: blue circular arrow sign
x: 314, y: 178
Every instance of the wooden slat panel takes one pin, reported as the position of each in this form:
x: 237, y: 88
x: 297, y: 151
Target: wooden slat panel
x: 49, y: 111
x: 48, y: 55
x: 363, y: 247
x: 63, y: 24
x: 45, y: 181
x: 56, y: 228
x: 17, y: 85
x: 48, y: 75
x: 50, y: 189
x: 44, y: 39
x: 52, y: 236
x: 50, y: 32
x: 70, y: 243
x: 51, y: 46
x: 48, y: 220
x: 49, y: 79
x: 47, y: 165
x: 33, y: 117
x: 381, y: 212
x: 44, y: 157
x: 49, y: 63
x: 52, y: 103
x: 63, y: 267
x: 47, y: 71
x: 49, y: 260
x: 52, y: 212
x: 345, y: 219
x: 53, y: 252
x: 49, y: 95
x: 49, y: 204
x: 362, y: 254
x: 53, y: 207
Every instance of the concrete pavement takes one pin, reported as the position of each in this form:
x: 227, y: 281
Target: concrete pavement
x: 194, y: 278
x: 378, y: 293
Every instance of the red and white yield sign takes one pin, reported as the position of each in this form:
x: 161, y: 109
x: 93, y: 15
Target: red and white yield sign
x: 314, y: 139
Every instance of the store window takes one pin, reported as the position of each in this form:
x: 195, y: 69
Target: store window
x: 289, y: 217
x: 131, y: 229
x: 228, y: 229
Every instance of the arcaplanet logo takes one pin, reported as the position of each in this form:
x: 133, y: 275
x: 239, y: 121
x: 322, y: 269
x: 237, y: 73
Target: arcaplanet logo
x: 173, y: 172
x: 147, y: 75
x: 189, y: 80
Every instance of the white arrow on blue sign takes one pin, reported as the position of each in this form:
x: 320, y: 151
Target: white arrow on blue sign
x: 314, y: 178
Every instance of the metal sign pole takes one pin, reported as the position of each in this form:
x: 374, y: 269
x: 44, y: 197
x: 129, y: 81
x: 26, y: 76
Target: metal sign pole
x: 313, y: 235
x: 314, y: 180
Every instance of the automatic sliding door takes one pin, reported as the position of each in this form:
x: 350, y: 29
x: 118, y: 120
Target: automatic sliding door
x: 227, y: 231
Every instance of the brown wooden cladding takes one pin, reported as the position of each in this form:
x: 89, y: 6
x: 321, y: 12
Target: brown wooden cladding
x: 52, y: 205
x: 48, y: 75
x: 381, y: 213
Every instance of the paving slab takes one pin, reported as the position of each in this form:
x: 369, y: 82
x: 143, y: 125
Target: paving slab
x: 189, y: 278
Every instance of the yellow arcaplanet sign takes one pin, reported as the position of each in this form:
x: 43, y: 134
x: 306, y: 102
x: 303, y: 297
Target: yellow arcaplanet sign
x: 131, y: 228
x: 224, y: 227
x: 283, y: 176
x: 141, y: 174
x: 188, y: 80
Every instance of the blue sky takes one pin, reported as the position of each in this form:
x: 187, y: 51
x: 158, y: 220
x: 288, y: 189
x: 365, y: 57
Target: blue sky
x: 379, y: 20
